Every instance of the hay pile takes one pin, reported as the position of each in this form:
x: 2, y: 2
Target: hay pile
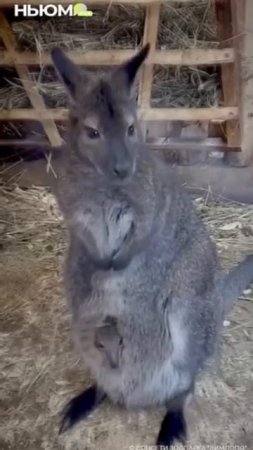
x: 190, y: 25
x: 22, y: 222
x: 231, y: 226
x: 186, y: 87
x: 40, y: 371
x: 115, y: 27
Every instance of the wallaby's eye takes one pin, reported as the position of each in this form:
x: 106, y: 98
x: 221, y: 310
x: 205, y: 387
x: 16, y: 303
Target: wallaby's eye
x: 92, y: 133
x: 131, y: 130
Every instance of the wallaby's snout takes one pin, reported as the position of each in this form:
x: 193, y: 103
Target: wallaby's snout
x: 122, y: 170
x: 123, y: 161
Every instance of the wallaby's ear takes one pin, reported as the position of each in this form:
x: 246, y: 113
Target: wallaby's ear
x: 130, y: 68
x: 65, y: 68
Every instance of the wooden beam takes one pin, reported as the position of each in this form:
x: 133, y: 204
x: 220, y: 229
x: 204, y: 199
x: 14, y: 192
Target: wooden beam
x: 97, y: 57
x: 149, y: 114
x: 244, y: 18
x: 228, y: 71
x: 24, y: 143
x: 39, y: 104
x: 60, y: 114
x: 150, y: 35
x: 207, y: 144
x: 189, y: 114
x: 152, y: 14
x: 189, y: 57
x: 29, y: 85
x: 192, y: 57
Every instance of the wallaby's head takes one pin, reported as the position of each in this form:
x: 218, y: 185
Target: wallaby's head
x: 104, y: 129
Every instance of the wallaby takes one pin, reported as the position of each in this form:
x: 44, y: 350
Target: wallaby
x: 142, y: 276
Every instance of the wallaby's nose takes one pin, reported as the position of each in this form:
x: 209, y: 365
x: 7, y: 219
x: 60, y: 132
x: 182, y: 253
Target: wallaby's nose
x: 121, y: 171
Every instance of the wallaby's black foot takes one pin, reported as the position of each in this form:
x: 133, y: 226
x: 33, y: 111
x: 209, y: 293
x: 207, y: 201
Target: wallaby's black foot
x: 80, y: 407
x: 173, y: 429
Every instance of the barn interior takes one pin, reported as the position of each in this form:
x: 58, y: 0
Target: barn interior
x: 195, y: 102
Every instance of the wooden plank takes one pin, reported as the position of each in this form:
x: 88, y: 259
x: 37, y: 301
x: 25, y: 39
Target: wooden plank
x: 190, y: 114
x: 228, y: 71
x: 39, y: 104
x: 192, y: 143
x: 187, y: 57
x: 192, y: 57
x: 150, y: 35
x: 31, y: 114
x: 29, y: 85
x: 244, y: 20
x: 98, y: 57
x: 170, y: 144
x: 149, y: 114
x: 24, y: 143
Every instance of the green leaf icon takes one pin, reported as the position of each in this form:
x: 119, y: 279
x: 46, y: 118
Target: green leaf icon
x: 80, y: 9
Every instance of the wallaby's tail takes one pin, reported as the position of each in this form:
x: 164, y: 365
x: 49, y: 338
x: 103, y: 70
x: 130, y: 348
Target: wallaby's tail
x: 234, y: 283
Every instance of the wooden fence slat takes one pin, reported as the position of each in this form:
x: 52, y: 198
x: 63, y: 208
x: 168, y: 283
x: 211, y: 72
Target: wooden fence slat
x: 171, y: 143
x: 28, y: 83
x: 149, y: 114
x: 228, y: 71
x: 192, y: 57
x: 150, y: 35
x: 189, y: 57
x: 39, y: 104
x: 243, y: 20
x: 190, y: 114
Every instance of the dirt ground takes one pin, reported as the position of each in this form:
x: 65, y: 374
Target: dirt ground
x: 40, y: 369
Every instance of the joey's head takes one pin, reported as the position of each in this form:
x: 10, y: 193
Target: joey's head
x: 104, y: 130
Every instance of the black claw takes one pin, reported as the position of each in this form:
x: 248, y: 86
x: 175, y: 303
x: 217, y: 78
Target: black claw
x: 79, y: 408
x: 65, y: 425
x: 173, y: 429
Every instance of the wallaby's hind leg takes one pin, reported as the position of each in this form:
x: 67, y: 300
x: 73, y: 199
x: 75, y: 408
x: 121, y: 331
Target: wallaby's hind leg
x: 173, y: 427
x: 80, y: 407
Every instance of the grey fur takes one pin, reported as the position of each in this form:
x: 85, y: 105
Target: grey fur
x: 142, y: 276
